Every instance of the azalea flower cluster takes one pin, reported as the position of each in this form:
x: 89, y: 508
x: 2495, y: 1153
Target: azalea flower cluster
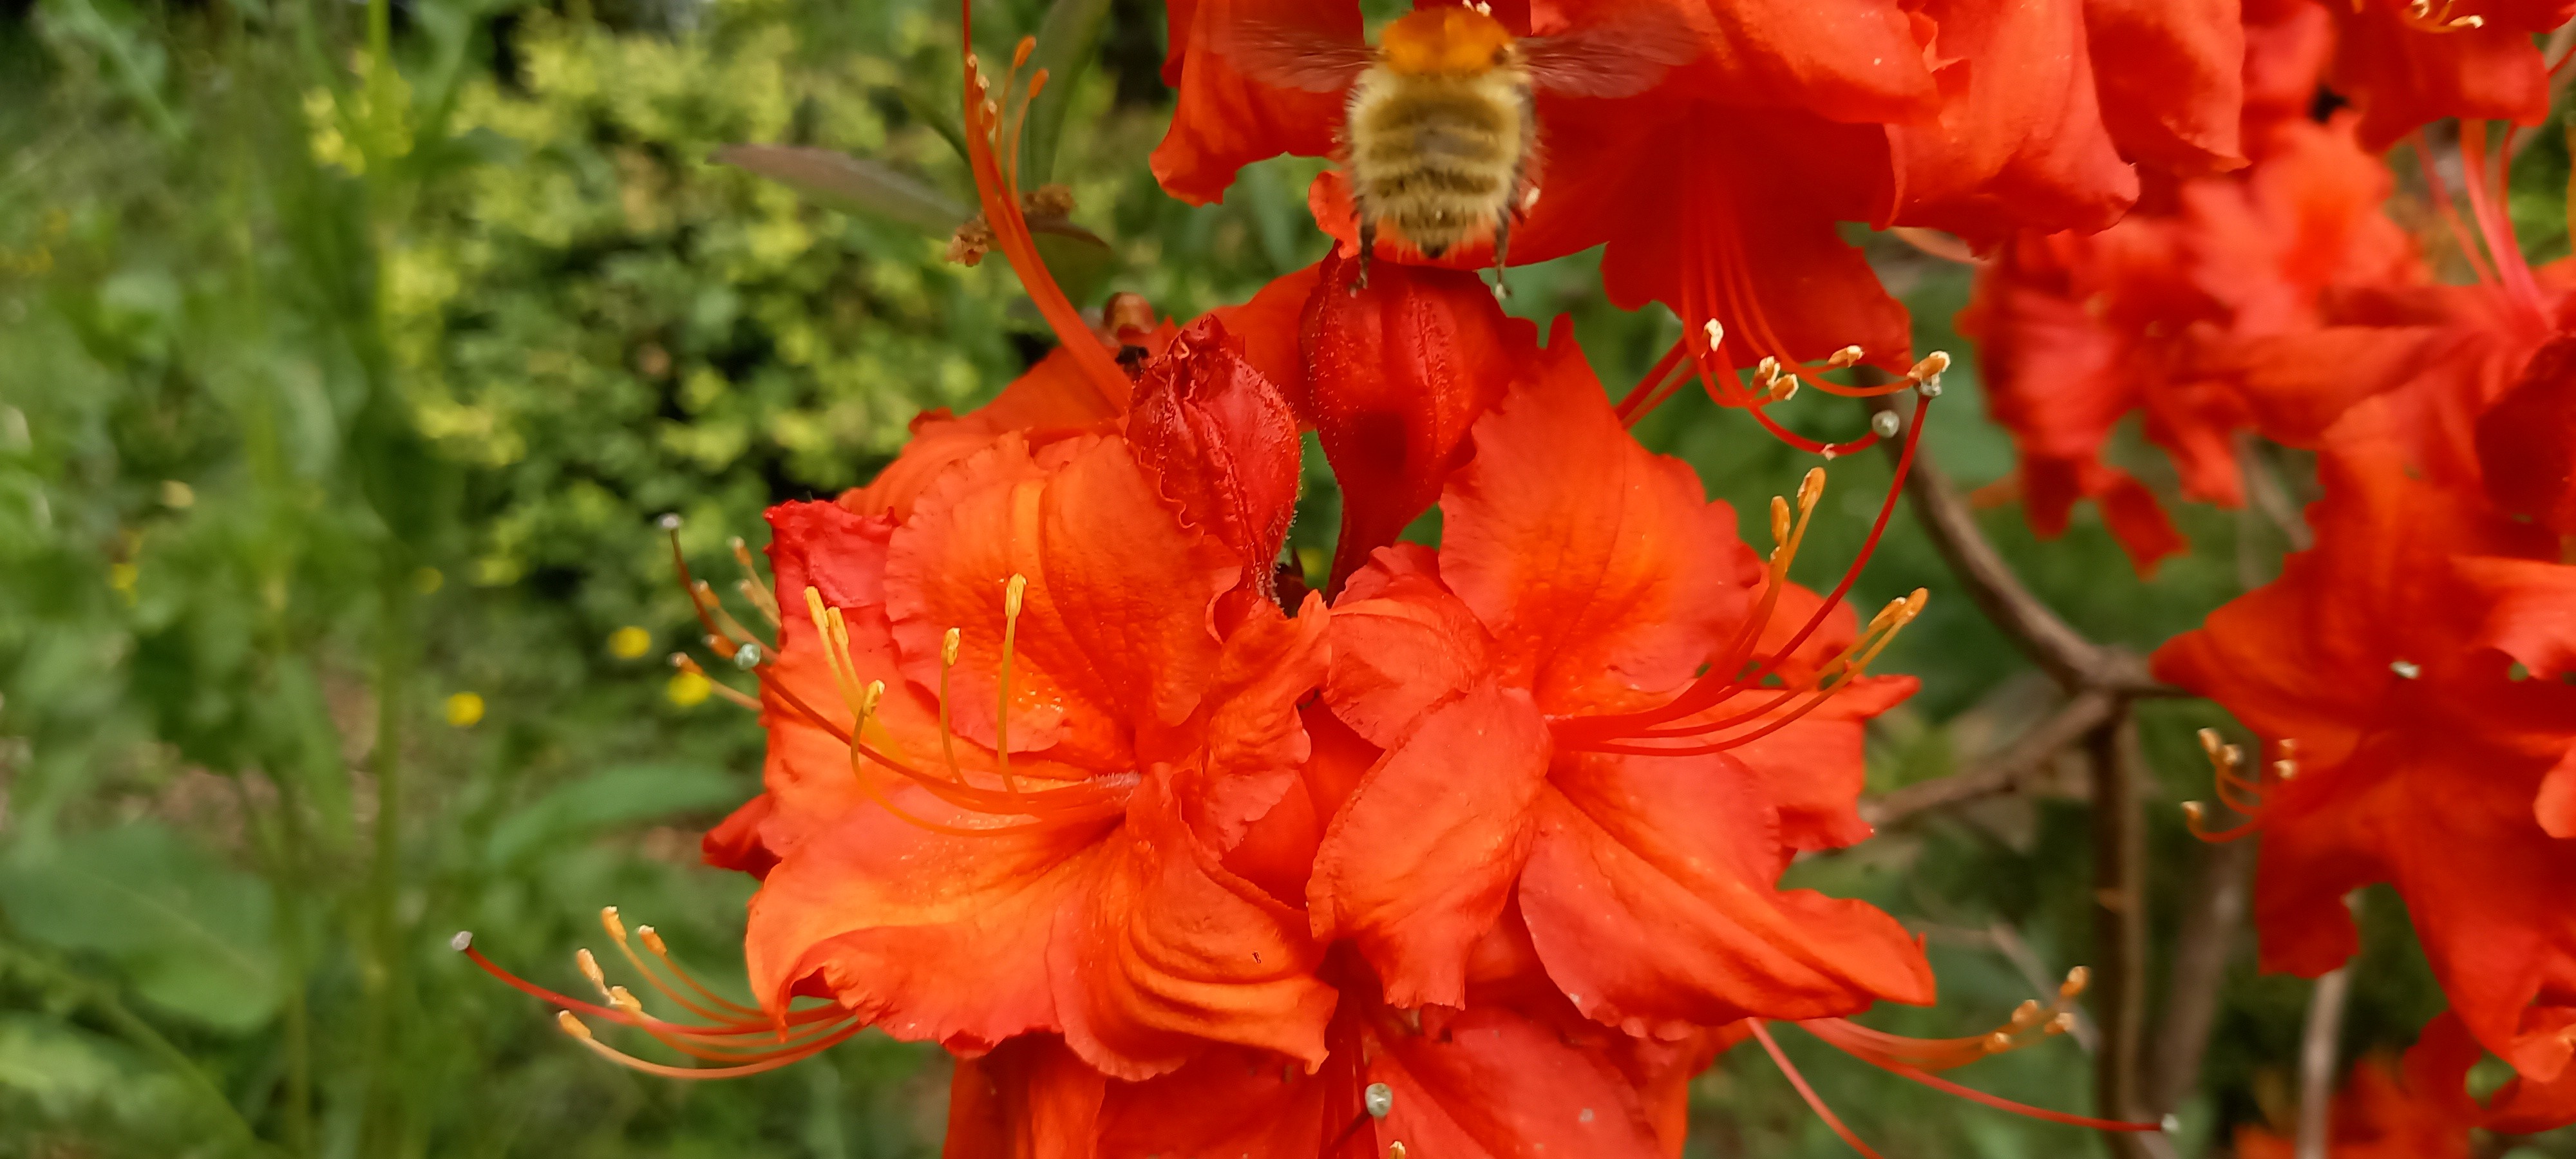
x: 2411, y: 669
x: 1474, y: 850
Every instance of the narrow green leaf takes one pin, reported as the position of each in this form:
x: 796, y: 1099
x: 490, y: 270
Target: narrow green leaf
x: 851, y: 184
x: 1068, y: 40
x: 614, y: 797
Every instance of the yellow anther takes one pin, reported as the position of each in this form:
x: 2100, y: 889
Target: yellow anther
x: 1998, y: 1042
x: 652, y: 939
x: 868, y: 700
x: 1786, y: 389
x: 616, y: 927
x: 2026, y: 1015
x: 589, y: 967
x: 1843, y: 357
x: 1811, y: 489
x: 1015, y: 592
x: 2195, y: 812
x: 2076, y: 980
x: 1779, y: 520
x: 1930, y: 367
x: 2234, y: 756
x: 572, y: 1025
x: 1020, y: 53
x: 2061, y: 1024
x: 1714, y: 331
x: 948, y: 648
x: 619, y: 997
x: 2210, y: 742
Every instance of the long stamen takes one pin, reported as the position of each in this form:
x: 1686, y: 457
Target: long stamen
x: 689, y: 664
x: 997, y: 190
x: 1014, y: 593
x: 573, y: 1026
x: 947, y: 735
x: 751, y: 587
x: 616, y: 927
x: 1915, y: 1058
x: 1727, y: 676
x: 661, y: 952
x: 690, y: 584
x: 1815, y: 1102
x: 1849, y: 668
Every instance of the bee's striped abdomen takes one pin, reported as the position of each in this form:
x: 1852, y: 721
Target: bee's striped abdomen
x: 1436, y: 158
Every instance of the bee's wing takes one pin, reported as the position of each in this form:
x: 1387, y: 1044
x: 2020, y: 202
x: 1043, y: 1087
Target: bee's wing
x: 1291, y: 57
x: 1621, y: 54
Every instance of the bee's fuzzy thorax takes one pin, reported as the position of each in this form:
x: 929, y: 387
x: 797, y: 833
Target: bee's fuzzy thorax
x: 1457, y: 42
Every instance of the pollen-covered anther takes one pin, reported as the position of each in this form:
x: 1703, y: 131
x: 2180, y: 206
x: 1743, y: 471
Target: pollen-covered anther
x: 1926, y: 374
x: 589, y: 966
x: 1847, y: 356
x: 2406, y: 669
x: 1715, y: 332
x: 572, y: 1025
x: 2076, y: 980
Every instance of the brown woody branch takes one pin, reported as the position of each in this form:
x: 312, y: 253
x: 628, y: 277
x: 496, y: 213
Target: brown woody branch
x: 2077, y: 663
x: 2005, y: 772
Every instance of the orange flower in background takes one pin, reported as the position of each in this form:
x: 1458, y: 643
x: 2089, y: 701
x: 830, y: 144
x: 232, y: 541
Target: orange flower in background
x: 2437, y: 1072
x: 2407, y: 63
x: 2375, y: 1117
x: 1581, y: 582
x: 2078, y: 331
x: 1718, y: 188
x: 2410, y: 670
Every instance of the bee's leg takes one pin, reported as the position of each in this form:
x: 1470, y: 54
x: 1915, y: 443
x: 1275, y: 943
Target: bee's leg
x: 1368, y: 249
x: 1502, y: 242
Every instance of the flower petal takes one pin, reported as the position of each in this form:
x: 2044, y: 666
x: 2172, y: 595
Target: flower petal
x: 1649, y: 895
x: 1030, y: 1098
x: 2020, y: 142
x: 1223, y: 119
x: 1395, y: 655
x: 1115, y: 632
x: 2170, y: 74
x: 1603, y: 573
x: 1495, y: 1083
x: 1170, y: 952
x: 1421, y: 860
x: 926, y: 935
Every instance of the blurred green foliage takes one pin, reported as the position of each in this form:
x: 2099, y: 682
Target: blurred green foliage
x: 349, y: 353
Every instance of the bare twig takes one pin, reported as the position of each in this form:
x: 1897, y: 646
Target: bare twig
x: 2211, y: 918
x: 2004, y: 772
x: 2264, y: 490
x: 2317, y: 1057
x: 2119, y: 922
x: 2075, y: 662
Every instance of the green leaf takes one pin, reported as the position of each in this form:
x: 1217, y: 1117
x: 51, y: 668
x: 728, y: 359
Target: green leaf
x: 1080, y: 261
x: 1068, y: 40
x: 620, y: 796
x: 851, y: 184
x: 191, y: 934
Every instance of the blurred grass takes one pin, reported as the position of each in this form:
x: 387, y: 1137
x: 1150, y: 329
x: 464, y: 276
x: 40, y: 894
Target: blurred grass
x: 348, y: 354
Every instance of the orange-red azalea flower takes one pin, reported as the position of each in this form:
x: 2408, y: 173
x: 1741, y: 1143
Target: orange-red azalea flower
x: 1580, y: 577
x: 2437, y: 1071
x: 2375, y: 1116
x: 2410, y: 668
x: 2407, y: 63
x: 2078, y: 331
x: 1718, y: 190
